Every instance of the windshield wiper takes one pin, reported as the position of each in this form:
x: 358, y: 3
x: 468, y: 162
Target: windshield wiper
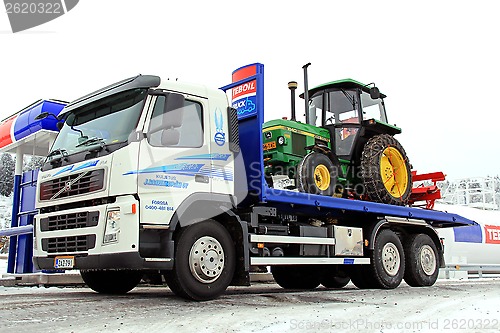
x: 90, y: 141
x: 58, y: 151
x: 350, y: 98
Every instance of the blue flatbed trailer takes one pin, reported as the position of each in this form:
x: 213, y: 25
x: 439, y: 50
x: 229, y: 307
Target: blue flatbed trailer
x: 310, y: 239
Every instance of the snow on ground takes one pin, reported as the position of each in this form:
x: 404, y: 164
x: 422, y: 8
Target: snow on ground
x: 450, y: 306
x: 5, y: 211
x: 3, y: 264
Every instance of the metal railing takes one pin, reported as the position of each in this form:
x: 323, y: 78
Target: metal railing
x: 489, y: 270
x: 16, y: 231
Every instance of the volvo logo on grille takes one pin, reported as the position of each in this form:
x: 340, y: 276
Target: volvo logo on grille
x: 68, y: 184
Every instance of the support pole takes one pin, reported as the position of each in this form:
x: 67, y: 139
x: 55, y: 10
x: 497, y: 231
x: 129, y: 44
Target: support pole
x: 16, y: 201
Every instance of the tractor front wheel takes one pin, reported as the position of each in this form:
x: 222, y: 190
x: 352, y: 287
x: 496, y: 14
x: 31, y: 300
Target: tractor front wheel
x: 386, y: 171
x: 317, y: 174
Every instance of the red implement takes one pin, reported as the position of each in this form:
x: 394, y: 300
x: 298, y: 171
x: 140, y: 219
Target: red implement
x: 427, y: 193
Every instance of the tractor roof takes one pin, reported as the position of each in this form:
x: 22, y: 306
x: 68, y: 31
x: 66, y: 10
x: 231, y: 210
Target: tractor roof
x: 344, y: 83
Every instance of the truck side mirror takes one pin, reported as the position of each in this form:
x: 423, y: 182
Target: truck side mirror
x: 374, y: 93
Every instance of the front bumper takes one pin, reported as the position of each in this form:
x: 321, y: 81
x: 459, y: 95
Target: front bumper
x: 127, y: 260
x: 80, y: 233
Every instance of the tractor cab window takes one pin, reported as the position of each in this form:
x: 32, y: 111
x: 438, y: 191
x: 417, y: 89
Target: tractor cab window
x: 316, y: 109
x: 344, y: 140
x: 373, y: 108
x: 343, y: 107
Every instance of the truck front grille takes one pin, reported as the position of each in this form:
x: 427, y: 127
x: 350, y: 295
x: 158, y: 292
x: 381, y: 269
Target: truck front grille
x: 77, y: 184
x: 68, y: 244
x: 69, y: 221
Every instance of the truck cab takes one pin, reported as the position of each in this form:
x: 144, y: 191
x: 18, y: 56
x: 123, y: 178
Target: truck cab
x: 126, y: 159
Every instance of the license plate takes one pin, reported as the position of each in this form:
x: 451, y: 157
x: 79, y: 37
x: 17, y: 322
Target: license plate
x: 64, y: 262
x: 269, y: 145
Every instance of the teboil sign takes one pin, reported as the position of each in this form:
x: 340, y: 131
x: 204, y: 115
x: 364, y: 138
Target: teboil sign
x: 244, y: 96
x: 492, y: 234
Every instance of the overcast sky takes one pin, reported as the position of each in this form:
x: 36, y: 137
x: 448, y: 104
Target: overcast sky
x: 437, y: 61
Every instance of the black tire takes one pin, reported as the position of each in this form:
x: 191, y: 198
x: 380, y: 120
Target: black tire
x: 296, y: 277
x: 360, y: 277
x: 387, y: 266
x: 386, y: 171
x: 422, y: 261
x: 195, y: 245
x: 334, y: 278
x: 316, y: 174
x: 112, y: 282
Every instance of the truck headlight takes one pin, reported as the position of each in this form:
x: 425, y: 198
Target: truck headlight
x: 112, y: 227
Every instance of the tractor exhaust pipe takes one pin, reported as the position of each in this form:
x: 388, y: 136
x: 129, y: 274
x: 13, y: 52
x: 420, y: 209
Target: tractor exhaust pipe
x: 306, y: 93
x: 292, y: 85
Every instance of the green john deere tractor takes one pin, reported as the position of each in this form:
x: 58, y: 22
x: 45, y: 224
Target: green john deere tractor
x: 346, y: 148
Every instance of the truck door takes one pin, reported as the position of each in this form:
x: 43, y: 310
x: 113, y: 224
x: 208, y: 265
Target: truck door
x: 173, y: 159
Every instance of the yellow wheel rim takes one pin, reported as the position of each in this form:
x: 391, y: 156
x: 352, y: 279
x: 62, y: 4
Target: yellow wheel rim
x: 322, y: 177
x: 394, y: 172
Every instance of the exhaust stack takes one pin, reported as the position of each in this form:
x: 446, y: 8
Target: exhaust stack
x: 306, y: 93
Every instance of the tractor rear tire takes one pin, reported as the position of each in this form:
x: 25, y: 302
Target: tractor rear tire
x: 316, y: 174
x: 386, y: 171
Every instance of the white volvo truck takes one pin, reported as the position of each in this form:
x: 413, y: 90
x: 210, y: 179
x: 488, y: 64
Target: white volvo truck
x: 163, y: 177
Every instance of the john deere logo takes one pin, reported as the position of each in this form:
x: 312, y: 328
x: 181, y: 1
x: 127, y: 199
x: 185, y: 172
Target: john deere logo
x: 26, y: 14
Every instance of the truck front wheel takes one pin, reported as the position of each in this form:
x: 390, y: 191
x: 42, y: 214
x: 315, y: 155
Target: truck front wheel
x: 204, y: 261
x: 111, y: 282
x: 421, y: 261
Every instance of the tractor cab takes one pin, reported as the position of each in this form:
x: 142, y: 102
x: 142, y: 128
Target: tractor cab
x: 352, y: 113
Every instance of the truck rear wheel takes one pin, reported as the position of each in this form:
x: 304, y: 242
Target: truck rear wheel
x: 422, y: 263
x: 204, y: 261
x: 112, y: 282
x: 317, y: 174
x: 386, y: 171
x: 360, y: 277
x: 335, y: 281
x: 387, y: 265
x: 296, y: 277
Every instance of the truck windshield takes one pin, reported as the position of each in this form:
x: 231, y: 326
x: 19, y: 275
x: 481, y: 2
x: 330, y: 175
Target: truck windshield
x: 106, y: 121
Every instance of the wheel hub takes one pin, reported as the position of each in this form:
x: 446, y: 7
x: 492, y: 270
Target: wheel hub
x: 206, y: 259
x: 393, y: 171
x: 322, y: 177
x: 428, y: 260
x: 391, y: 259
